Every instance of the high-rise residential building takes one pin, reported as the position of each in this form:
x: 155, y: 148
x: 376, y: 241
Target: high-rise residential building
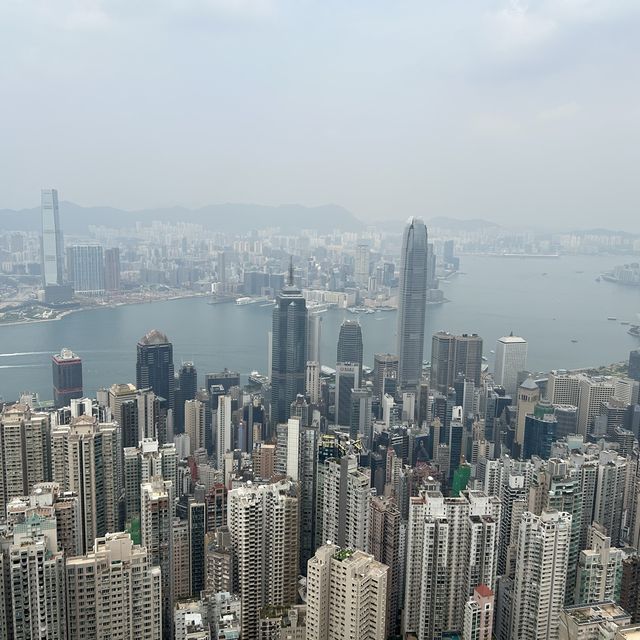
x: 541, y: 575
x: 412, y: 304
x: 478, y: 615
x: 362, y: 266
x: 630, y: 587
x: 347, y: 378
x: 24, y: 452
x: 112, y: 269
x: 385, y: 544
x: 288, y: 350
x: 154, y: 366
x: 66, y: 369
x: 224, y: 440
x: 634, y: 364
x: 52, y: 245
x: 312, y: 382
x: 346, y: 595
x: 451, y: 549
x: 608, y: 503
x: 350, y: 344
x: 264, y: 525
x: 114, y: 591
x: 344, y: 502
x: 195, y: 423
x: 360, y: 419
x: 385, y: 374
x: 186, y: 389
x: 511, y: 358
x: 599, y: 569
x: 156, y: 523
x: 86, y: 458
x: 85, y: 266
x: 455, y: 356
x: 32, y: 582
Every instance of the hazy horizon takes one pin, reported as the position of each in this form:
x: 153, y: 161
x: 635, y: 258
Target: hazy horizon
x: 520, y: 113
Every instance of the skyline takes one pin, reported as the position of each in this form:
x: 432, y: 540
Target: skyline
x: 503, y: 110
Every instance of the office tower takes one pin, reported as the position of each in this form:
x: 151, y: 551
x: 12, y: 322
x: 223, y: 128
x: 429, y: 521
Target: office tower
x: 630, y: 587
x: 592, y: 393
x: 443, y: 346
x: 112, y: 269
x: 24, y: 455
x: 225, y: 378
x: 114, y: 591
x: 385, y: 369
x: 563, y: 388
x: 315, y: 337
x: 599, y: 569
x: 541, y: 574
x: 154, y: 366
x: 412, y: 304
x: 432, y: 278
x: 141, y: 464
x: 347, y: 378
x: 312, y: 382
x: 194, y: 423
x: 478, y: 615
x: 300, y: 409
x: 156, y: 522
x: 634, y: 364
x: 511, y: 358
x: 362, y: 266
x: 289, y: 350
x: 566, y: 420
x: 52, y: 259
x: 466, y: 361
x: 307, y: 475
x: 32, y: 583
x: 360, y: 419
x: 385, y: 545
x: 85, y: 265
x: 264, y: 525
x: 528, y: 398
x: 451, y: 549
x: 350, y: 344
x: 86, y: 458
x: 360, y: 611
x: 197, y: 516
x: 186, y: 389
x: 66, y: 368
x: 224, y: 439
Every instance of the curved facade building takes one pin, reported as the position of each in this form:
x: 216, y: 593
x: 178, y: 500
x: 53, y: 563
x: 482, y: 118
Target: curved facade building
x: 412, y: 304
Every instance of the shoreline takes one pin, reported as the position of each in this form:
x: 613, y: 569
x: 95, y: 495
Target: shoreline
x: 114, y: 305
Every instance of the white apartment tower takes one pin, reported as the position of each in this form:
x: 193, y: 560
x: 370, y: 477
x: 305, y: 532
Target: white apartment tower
x: 511, y: 357
x: 346, y: 595
x: 263, y: 521
x: 127, y: 604
x: 541, y: 574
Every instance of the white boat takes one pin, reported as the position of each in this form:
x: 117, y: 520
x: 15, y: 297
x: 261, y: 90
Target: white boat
x: 244, y: 300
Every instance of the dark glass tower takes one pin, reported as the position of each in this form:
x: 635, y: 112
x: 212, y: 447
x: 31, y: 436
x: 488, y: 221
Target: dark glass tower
x: 154, y: 367
x: 350, y: 344
x: 412, y: 304
x: 288, y: 350
x: 634, y: 365
x: 66, y: 368
x: 186, y: 390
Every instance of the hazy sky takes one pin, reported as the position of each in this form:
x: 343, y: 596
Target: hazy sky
x: 468, y: 108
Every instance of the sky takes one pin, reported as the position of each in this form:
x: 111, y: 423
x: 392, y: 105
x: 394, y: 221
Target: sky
x: 511, y: 110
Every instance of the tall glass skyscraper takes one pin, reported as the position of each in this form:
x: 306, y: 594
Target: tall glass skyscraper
x: 52, y: 260
x: 350, y: 344
x: 154, y: 366
x: 412, y: 304
x: 288, y: 350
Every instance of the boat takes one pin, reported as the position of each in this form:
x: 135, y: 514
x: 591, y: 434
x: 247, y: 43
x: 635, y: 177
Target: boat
x: 625, y: 322
x: 574, y: 340
x: 612, y: 318
x: 244, y: 300
x: 634, y: 330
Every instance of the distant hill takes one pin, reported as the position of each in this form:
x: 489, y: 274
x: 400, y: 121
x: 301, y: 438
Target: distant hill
x: 75, y: 219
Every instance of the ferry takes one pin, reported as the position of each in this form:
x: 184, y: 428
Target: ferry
x: 244, y: 300
x: 612, y: 318
x: 634, y: 330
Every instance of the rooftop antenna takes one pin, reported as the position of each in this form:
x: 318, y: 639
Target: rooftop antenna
x: 291, y: 271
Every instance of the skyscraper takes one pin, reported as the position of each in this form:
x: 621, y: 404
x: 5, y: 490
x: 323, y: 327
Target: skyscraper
x: 347, y: 378
x: 85, y: 265
x: 186, y: 390
x: 412, y: 304
x: 112, y: 269
x: 154, y: 367
x: 634, y: 364
x: 350, y: 344
x: 288, y: 350
x: 385, y: 374
x: 453, y: 356
x: 511, y: 357
x: 66, y: 368
x: 362, y: 266
x: 52, y: 259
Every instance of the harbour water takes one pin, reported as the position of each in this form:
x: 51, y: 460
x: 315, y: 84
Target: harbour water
x: 548, y: 301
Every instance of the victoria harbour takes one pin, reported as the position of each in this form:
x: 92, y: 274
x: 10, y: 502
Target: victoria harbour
x: 557, y: 304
